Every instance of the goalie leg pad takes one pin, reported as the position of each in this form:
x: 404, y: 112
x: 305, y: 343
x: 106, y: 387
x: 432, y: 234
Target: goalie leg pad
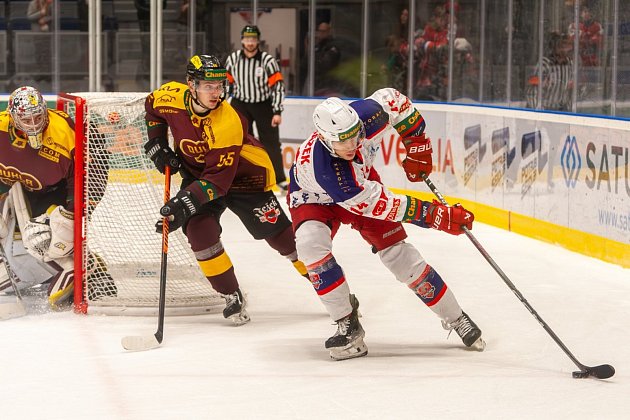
x: 61, y: 234
x: 61, y: 288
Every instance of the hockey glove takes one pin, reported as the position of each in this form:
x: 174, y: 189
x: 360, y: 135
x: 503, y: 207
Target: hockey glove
x: 419, y: 160
x: 36, y: 236
x: 158, y: 150
x: 178, y: 209
x: 445, y: 218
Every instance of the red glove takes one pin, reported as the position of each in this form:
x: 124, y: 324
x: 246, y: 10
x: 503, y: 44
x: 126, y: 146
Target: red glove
x: 419, y: 160
x: 448, y: 219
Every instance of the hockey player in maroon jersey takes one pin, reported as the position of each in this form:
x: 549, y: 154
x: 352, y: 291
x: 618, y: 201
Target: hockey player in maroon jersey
x: 37, y: 186
x: 333, y: 182
x: 222, y: 166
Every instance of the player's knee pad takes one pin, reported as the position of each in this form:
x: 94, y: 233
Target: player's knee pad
x: 429, y: 286
x: 404, y: 261
x: 313, y: 241
x: 314, y: 245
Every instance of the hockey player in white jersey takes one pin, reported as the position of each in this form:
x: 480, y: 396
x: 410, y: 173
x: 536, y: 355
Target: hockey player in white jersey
x: 333, y: 181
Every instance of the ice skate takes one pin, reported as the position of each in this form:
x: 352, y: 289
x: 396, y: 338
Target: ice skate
x: 347, y: 343
x: 235, y: 304
x: 355, y: 304
x: 467, y: 331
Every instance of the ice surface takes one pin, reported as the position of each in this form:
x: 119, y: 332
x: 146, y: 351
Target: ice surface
x: 66, y: 366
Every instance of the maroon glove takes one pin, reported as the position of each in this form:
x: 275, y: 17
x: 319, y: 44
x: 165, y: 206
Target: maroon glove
x: 448, y: 219
x: 419, y: 160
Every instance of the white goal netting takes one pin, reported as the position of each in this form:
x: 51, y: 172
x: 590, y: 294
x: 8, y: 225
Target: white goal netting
x: 123, y: 193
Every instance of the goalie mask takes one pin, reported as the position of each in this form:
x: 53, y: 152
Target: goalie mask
x: 339, y: 126
x: 29, y: 114
x: 209, y: 68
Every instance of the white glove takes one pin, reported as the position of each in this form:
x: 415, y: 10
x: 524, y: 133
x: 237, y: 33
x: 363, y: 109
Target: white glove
x: 62, y: 234
x: 36, y: 236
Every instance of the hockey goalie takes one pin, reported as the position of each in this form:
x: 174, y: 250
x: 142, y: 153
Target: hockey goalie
x: 37, y: 185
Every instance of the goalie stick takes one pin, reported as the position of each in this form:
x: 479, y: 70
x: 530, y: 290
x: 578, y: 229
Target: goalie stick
x: 10, y: 309
x: 600, y: 372
x: 148, y: 342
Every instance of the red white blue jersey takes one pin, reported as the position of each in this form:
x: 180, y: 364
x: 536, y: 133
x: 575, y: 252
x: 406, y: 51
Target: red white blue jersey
x: 318, y: 177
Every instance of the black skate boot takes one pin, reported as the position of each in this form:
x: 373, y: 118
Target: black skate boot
x: 468, y: 331
x: 235, y: 304
x: 347, y: 343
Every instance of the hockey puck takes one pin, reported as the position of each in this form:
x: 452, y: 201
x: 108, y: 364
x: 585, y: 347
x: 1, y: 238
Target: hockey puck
x: 580, y: 374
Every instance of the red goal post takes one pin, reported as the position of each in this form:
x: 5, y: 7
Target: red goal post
x: 117, y: 195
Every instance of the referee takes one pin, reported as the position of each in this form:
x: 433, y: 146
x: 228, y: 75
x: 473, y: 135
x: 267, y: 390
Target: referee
x: 258, y: 93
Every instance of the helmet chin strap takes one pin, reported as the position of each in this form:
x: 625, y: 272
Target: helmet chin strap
x: 194, y: 98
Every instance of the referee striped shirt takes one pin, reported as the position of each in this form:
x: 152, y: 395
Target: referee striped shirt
x: 256, y: 79
x: 557, y: 84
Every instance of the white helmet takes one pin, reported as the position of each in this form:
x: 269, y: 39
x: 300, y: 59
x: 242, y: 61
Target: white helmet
x: 336, y: 121
x: 29, y: 113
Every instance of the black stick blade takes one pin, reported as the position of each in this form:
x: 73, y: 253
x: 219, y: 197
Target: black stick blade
x: 602, y: 371
x: 599, y: 372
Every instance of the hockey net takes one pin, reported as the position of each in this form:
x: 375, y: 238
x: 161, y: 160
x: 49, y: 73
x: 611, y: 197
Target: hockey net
x: 118, y: 194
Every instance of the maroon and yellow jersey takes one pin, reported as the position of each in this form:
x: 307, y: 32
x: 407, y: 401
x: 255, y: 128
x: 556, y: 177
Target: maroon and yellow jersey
x: 39, y: 170
x: 215, y: 148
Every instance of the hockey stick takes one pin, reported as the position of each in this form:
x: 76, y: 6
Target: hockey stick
x: 141, y: 343
x: 600, y: 372
x: 12, y: 309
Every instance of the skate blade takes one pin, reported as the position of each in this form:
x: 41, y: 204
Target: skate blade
x: 478, y: 345
x: 241, y: 318
x: 355, y: 349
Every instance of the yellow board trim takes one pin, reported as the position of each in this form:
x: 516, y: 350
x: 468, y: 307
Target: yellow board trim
x: 215, y: 266
x: 574, y: 240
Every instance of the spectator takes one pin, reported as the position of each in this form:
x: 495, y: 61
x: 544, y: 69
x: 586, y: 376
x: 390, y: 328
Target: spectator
x: 258, y: 93
x: 433, y: 52
x: 83, y: 14
x: 327, y: 58
x: 40, y: 12
x: 182, y: 17
x: 398, y: 47
x: 590, y: 34
x: 555, y: 73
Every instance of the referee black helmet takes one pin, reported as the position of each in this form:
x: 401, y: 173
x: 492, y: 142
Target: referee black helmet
x: 250, y: 30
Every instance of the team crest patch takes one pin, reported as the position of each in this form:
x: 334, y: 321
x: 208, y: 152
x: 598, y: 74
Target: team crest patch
x: 269, y: 213
x: 426, y: 290
x: 316, y: 281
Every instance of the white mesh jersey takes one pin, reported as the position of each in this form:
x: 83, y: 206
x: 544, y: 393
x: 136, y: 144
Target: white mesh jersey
x: 317, y: 177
